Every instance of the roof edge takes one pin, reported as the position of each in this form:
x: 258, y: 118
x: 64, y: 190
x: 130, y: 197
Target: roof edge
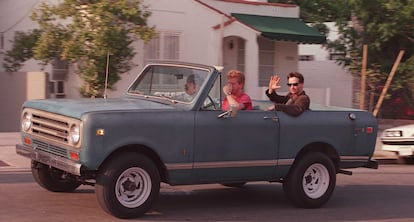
x: 260, y: 3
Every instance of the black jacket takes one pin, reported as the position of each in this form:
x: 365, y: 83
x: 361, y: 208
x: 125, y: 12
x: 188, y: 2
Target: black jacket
x: 290, y: 104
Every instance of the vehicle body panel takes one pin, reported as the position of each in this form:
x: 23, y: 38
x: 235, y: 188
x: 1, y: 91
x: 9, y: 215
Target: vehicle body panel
x: 243, y: 148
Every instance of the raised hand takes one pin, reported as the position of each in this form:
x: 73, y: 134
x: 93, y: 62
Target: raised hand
x: 227, y: 89
x: 274, y: 83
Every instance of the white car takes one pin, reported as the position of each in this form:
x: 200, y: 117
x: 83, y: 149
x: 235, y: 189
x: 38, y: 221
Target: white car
x: 399, y: 140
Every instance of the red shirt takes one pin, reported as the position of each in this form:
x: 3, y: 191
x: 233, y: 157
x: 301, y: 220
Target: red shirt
x: 242, y: 98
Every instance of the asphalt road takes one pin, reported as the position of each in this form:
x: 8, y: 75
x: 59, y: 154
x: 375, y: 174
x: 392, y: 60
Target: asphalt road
x: 385, y: 194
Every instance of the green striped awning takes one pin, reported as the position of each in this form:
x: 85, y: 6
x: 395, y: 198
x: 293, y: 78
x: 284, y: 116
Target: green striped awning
x: 282, y: 29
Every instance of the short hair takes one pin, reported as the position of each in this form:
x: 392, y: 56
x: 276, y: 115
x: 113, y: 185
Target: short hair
x: 191, y: 79
x: 236, y: 74
x: 297, y: 75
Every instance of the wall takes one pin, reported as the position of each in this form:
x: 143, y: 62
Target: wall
x: 15, y: 88
x: 327, y: 83
x: 12, y: 96
x: 20, y: 87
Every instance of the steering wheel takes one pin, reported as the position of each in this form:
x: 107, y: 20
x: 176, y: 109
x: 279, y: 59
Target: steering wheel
x: 209, y: 102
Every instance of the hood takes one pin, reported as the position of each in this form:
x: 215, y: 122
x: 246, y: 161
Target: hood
x: 76, y: 108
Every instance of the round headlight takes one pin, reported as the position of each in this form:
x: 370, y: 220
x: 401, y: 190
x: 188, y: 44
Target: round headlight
x: 26, y: 122
x: 74, y: 134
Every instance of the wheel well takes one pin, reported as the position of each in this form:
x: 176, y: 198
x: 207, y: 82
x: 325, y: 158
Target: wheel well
x: 148, y: 152
x: 320, y: 147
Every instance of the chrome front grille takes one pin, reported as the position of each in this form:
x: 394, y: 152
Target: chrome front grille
x: 45, y: 147
x: 51, y: 128
x: 399, y: 143
x: 54, y: 129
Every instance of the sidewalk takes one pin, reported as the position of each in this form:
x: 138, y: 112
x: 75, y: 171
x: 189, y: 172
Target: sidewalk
x: 10, y: 161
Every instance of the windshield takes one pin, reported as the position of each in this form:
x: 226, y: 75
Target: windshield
x: 181, y: 84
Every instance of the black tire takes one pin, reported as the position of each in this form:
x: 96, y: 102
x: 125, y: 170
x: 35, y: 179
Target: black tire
x: 240, y: 184
x: 53, y: 179
x: 311, y: 181
x: 127, y: 186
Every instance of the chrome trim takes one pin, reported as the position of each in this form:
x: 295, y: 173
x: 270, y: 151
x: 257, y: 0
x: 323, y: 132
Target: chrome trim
x: 285, y: 162
x: 49, y: 159
x: 225, y: 164
x: 179, y: 166
x: 221, y: 164
x: 251, y: 163
x: 354, y: 158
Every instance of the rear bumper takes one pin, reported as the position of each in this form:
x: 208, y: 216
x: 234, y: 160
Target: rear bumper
x: 49, y: 159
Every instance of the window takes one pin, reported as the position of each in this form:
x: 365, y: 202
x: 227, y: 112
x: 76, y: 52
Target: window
x: 240, y: 54
x: 164, y: 47
x: 57, y: 89
x: 306, y: 57
x: 59, y: 70
x: 60, y: 87
x: 152, y: 49
x: 266, y: 60
x: 171, y: 46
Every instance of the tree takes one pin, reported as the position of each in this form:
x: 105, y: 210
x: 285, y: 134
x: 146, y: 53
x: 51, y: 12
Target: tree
x: 386, y: 26
x: 84, y: 33
x: 21, y: 51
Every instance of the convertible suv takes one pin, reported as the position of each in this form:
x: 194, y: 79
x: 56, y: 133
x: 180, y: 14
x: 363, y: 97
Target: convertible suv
x: 156, y: 132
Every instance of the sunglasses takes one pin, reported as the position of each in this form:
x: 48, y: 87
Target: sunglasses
x: 293, y: 84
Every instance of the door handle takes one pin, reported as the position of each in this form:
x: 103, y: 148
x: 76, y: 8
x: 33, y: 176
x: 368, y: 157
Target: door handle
x: 273, y: 118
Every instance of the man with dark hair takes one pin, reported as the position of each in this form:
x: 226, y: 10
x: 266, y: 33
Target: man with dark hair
x: 296, y: 101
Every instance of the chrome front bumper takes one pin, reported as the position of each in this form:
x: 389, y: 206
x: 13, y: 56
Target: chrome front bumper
x: 48, y: 159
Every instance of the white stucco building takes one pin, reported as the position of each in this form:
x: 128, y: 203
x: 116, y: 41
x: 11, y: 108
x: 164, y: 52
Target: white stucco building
x: 255, y: 36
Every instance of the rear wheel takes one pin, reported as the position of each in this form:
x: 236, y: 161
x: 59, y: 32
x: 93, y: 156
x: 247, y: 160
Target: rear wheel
x: 128, y: 185
x: 311, y: 181
x: 53, y: 179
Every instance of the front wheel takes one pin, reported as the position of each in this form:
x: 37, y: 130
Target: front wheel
x: 127, y: 186
x: 311, y: 181
x: 53, y: 179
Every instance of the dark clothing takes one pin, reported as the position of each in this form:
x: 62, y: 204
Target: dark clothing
x: 290, y: 104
